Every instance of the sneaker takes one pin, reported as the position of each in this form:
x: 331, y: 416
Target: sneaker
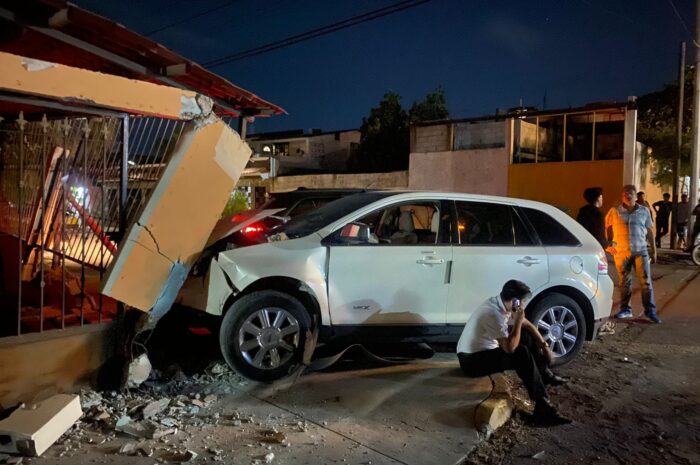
x: 653, y: 317
x: 624, y: 313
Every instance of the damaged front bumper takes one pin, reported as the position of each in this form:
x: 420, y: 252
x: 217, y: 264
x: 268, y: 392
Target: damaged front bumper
x: 220, y: 287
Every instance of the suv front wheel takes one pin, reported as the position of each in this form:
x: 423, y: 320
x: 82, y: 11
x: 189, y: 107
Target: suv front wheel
x: 263, y: 334
x: 559, y: 319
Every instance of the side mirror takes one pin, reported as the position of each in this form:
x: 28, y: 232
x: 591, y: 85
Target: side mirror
x: 355, y: 233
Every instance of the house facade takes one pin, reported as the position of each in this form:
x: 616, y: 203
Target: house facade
x: 549, y: 156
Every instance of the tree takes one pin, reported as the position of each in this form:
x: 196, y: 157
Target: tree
x: 657, y: 128
x: 432, y: 108
x: 384, y: 139
x: 237, y: 202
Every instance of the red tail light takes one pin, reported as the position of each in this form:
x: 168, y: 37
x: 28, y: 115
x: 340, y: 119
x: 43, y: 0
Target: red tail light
x: 602, y: 264
x: 252, y: 229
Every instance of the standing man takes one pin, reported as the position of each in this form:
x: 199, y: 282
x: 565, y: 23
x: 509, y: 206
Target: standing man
x: 487, y: 346
x: 642, y: 200
x: 590, y: 216
x: 663, y: 213
x: 682, y: 219
x: 629, y: 228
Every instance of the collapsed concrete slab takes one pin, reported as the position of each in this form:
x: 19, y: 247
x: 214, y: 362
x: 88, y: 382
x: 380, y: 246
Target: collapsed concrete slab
x: 162, y: 244
x: 30, y: 430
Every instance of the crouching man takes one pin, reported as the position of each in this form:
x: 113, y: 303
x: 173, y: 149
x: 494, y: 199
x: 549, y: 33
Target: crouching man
x: 487, y: 346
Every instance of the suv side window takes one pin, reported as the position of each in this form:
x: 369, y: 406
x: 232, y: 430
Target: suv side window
x: 480, y: 223
x: 550, y: 231
x: 411, y: 223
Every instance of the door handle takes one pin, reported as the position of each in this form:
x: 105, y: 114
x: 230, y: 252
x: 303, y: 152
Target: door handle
x: 528, y: 261
x: 430, y: 261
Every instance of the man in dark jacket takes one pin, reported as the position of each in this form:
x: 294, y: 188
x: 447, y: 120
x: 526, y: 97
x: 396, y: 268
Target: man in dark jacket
x: 591, y: 217
x: 663, y: 210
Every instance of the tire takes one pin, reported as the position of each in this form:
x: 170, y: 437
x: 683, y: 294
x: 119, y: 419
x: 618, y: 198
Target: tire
x: 258, y: 345
x: 561, y: 322
x: 695, y: 255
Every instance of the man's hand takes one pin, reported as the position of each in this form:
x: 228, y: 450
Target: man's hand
x: 518, y: 315
x: 546, y: 351
x: 652, y: 257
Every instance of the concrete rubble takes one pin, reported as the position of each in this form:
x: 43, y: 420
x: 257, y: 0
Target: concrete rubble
x: 31, y: 429
x: 157, y: 419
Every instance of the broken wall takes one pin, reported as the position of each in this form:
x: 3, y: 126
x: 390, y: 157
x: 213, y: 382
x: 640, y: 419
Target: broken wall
x: 36, y: 366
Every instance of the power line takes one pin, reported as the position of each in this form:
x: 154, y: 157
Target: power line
x: 680, y: 18
x: 685, y: 26
x: 353, y: 21
x: 190, y: 18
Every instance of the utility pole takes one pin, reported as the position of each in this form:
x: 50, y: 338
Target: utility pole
x: 677, y: 164
x: 695, y: 159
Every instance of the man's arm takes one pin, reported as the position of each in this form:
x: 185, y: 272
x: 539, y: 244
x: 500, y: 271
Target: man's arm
x: 535, y: 333
x: 651, y: 239
x: 609, y: 231
x: 510, y: 343
x: 652, y: 244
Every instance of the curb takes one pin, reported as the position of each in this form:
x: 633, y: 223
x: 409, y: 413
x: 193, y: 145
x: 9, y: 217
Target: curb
x: 493, y: 412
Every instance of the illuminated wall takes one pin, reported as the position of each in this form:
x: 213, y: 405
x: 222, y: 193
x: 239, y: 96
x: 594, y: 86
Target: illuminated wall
x: 562, y: 184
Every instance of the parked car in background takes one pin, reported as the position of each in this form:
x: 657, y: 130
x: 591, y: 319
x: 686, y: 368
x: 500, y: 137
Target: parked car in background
x: 253, y: 226
x: 404, y: 267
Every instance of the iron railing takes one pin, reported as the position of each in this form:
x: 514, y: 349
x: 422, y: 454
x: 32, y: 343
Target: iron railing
x: 69, y: 187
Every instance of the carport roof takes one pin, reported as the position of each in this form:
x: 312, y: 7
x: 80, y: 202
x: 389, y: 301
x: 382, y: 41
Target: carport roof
x: 61, y: 32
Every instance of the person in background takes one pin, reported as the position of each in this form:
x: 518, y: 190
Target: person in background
x: 591, y: 217
x: 682, y: 219
x: 642, y: 200
x: 663, y: 209
x: 488, y: 346
x: 629, y: 227
x: 696, y: 228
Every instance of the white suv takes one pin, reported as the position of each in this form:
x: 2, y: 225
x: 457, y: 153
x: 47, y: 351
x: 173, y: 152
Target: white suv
x: 393, y: 266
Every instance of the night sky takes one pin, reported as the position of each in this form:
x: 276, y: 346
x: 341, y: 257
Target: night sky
x: 485, y: 54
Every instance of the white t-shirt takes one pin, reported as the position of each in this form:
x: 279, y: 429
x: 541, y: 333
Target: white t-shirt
x: 488, y: 324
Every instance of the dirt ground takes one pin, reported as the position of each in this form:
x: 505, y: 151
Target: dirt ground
x: 634, y: 396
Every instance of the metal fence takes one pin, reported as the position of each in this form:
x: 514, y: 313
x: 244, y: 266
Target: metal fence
x: 69, y: 187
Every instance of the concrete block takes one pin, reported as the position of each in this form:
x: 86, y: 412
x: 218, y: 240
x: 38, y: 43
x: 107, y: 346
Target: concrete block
x: 30, y: 430
x: 492, y: 413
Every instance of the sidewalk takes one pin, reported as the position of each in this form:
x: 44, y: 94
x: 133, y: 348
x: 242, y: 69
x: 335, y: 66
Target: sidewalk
x: 412, y: 414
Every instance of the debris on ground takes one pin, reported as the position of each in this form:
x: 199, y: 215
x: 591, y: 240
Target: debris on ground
x: 139, y: 371
x: 539, y: 455
x: 273, y: 437
x: 31, y: 429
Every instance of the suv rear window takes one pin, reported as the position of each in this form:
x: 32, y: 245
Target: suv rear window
x: 550, y: 231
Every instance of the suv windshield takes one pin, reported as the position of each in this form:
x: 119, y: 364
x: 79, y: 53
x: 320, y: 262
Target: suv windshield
x: 314, y: 220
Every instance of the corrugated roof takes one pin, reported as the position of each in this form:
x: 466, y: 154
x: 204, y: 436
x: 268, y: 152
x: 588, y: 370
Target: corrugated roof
x: 61, y: 32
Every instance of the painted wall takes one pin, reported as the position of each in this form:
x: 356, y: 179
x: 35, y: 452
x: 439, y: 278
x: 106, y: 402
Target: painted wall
x: 36, y: 366
x: 479, y: 171
x: 396, y: 179
x: 562, y: 184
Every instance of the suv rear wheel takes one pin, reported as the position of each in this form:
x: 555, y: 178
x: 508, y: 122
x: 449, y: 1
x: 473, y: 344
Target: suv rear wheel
x: 560, y: 321
x: 263, y: 334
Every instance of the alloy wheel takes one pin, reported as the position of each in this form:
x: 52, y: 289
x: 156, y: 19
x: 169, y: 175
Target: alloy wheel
x: 560, y: 329
x: 268, y: 338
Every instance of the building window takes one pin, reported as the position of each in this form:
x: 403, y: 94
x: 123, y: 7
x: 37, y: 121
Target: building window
x: 525, y: 140
x: 550, y: 140
x: 579, y: 137
x: 569, y: 137
x: 281, y: 149
x: 609, y: 136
